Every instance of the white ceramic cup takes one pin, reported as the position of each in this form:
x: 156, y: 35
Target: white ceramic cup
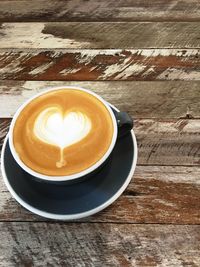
x: 67, y: 178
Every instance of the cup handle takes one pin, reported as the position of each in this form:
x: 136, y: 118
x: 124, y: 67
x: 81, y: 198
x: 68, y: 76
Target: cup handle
x: 124, y: 123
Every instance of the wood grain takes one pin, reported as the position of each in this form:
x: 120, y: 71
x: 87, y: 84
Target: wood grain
x: 169, y: 99
x: 157, y: 194
x: 4, y: 127
x: 93, y: 244
x: 80, y: 10
x: 160, y: 142
x: 113, y: 64
x: 100, y: 35
x: 168, y: 142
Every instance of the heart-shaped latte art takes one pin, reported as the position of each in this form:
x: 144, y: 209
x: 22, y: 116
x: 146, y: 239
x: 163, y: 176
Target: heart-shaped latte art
x: 62, y: 130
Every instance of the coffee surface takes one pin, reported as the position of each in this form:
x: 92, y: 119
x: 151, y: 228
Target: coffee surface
x: 62, y: 132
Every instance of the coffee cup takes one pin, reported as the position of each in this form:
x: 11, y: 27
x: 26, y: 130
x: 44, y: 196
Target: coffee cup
x: 65, y: 134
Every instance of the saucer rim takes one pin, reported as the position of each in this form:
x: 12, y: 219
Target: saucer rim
x: 68, y: 217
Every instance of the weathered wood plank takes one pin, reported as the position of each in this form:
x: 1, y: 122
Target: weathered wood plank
x: 53, y: 244
x: 169, y: 99
x: 121, y: 10
x: 113, y: 64
x: 160, y: 142
x: 100, y: 35
x: 168, y: 142
x: 4, y: 127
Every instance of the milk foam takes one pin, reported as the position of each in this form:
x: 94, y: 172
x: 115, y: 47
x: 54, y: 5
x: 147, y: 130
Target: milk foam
x: 62, y: 130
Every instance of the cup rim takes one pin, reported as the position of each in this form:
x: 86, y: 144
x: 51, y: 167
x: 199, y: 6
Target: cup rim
x: 65, y: 177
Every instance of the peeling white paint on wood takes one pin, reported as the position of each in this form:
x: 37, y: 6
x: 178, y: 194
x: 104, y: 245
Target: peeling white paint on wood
x: 169, y: 126
x: 148, y: 71
x: 193, y: 127
x: 15, y: 65
x: 68, y: 64
x: 169, y: 52
x: 86, y: 56
x: 29, y: 35
x: 172, y: 74
x: 41, y: 69
x: 12, y: 67
x: 69, y: 70
x: 127, y: 71
x: 164, y: 203
x: 124, y: 69
x: 10, y: 104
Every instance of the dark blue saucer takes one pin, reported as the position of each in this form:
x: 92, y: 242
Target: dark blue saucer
x: 78, y: 200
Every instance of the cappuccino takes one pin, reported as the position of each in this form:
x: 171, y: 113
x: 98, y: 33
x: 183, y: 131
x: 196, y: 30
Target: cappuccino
x: 62, y: 132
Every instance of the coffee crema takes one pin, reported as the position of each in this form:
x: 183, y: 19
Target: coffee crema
x: 62, y: 132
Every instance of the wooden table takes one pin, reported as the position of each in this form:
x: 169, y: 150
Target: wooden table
x: 144, y: 57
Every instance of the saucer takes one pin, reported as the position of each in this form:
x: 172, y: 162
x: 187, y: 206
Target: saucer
x: 74, y: 201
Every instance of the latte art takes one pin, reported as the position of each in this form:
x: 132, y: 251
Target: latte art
x: 62, y: 130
